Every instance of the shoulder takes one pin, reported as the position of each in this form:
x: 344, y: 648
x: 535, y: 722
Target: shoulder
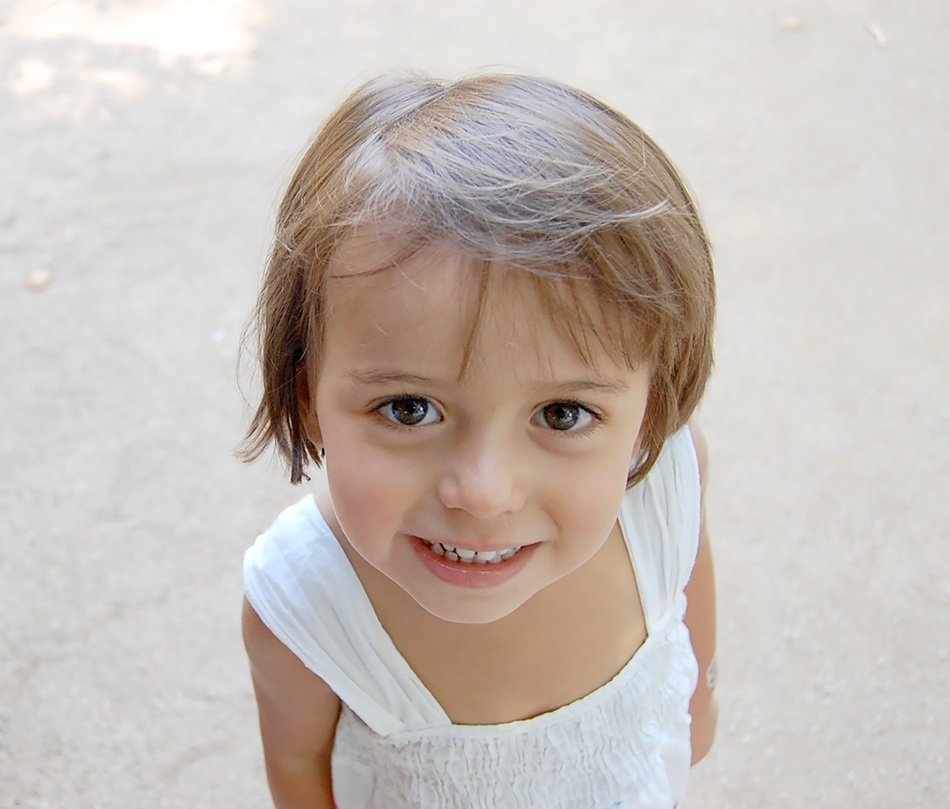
x: 661, y: 518
x: 301, y: 521
x: 298, y: 711
x: 295, y: 576
x: 701, y: 618
x: 702, y: 451
x: 278, y: 673
x: 296, y: 547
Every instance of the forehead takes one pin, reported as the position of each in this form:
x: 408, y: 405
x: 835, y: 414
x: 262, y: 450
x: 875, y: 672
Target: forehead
x: 380, y: 286
x: 386, y: 296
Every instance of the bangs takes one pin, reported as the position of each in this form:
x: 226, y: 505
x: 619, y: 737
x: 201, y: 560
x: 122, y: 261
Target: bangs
x: 587, y: 308
x: 591, y: 323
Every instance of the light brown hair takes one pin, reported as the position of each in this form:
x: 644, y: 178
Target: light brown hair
x: 516, y: 172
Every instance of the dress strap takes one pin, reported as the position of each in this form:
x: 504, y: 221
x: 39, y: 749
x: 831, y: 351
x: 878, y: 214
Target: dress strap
x: 660, y: 520
x: 299, y: 581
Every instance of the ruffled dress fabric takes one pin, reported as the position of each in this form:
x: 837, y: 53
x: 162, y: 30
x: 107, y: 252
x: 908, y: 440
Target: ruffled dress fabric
x: 624, y: 746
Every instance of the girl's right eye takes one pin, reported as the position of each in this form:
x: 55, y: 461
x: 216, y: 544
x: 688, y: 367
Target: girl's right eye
x: 409, y: 411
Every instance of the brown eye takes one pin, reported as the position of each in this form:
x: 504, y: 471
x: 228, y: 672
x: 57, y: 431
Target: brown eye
x: 565, y: 416
x: 409, y: 411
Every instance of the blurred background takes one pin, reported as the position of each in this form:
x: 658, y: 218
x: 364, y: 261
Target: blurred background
x: 143, y: 148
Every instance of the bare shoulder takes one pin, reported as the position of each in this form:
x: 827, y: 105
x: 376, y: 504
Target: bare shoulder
x: 702, y: 451
x: 298, y: 710
x: 701, y: 618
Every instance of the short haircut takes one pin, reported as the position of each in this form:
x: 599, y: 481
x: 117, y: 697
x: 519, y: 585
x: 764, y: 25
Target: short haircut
x: 517, y: 172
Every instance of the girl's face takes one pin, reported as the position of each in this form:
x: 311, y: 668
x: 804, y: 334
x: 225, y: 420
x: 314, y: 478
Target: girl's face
x: 471, y: 494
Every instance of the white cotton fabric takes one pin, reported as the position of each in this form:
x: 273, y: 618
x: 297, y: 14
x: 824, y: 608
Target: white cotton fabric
x: 626, y: 745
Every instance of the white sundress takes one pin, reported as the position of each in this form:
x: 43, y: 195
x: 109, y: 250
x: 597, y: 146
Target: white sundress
x: 625, y: 745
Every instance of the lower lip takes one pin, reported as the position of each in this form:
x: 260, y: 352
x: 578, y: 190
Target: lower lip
x: 475, y: 575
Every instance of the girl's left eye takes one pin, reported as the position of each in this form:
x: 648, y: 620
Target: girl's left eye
x: 409, y: 411
x: 565, y: 417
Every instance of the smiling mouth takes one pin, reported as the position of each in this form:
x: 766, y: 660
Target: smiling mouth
x: 467, y: 556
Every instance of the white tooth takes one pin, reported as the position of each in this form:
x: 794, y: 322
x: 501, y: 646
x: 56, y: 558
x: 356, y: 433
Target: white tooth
x: 467, y: 556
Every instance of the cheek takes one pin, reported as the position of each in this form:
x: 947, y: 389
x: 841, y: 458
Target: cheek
x: 371, y: 495
x: 592, y: 507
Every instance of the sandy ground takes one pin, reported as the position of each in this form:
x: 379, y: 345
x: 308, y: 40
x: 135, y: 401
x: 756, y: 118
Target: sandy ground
x: 142, y: 148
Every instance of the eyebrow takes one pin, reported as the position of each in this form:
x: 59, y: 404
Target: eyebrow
x: 383, y: 376
x: 611, y: 388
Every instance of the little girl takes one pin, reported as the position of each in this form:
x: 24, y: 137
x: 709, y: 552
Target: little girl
x: 488, y: 315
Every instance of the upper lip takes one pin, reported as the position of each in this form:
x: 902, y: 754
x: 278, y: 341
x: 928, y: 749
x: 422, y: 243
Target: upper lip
x: 469, y: 545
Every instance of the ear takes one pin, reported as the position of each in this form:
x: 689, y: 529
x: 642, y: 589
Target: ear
x: 305, y: 408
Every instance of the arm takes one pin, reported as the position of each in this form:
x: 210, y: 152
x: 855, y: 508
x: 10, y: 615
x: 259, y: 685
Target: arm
x: 701, y: 621
x: 298, y: 714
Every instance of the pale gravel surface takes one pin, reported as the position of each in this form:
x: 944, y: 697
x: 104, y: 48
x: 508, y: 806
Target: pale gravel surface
x: 142, y: 148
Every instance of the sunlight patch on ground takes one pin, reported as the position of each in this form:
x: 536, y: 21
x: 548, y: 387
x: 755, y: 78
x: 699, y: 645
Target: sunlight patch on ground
x: 32, y: 76
x: 213, y: 36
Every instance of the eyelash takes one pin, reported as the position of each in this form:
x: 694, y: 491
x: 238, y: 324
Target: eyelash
x: 596, y: 417
x: 403, y: 397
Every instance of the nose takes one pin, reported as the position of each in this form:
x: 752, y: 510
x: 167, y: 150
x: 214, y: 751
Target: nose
x: 482, y: 478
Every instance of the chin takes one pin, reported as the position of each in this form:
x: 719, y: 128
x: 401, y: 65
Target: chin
x: 456, y: 613
x: 472, y: 613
